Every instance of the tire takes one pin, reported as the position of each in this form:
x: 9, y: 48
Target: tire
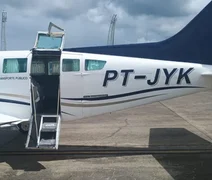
x: 24, y: 127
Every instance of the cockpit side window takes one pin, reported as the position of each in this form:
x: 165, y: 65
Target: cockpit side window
x: 92, y: 65
x: 71, y: 65
x: 15, y: 65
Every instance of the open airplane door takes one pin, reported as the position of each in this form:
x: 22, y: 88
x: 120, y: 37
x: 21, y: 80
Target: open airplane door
x: 50, y: 41
x: 45, y: 90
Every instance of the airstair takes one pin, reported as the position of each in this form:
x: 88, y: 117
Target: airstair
x: 44, y: 127
x: 48, y: 133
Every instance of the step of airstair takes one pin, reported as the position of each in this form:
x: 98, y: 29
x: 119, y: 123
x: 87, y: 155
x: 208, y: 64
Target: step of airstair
x: 49, y: 132
x: 44, y: 132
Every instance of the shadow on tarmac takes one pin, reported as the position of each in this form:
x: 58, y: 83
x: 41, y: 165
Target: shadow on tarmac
x: 179, y: 166
x: 182, y: 166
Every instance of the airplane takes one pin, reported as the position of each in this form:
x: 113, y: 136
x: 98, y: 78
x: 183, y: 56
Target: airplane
x: 49, y: 83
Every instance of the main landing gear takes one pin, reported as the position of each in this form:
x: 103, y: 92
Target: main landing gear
x: 24, y: 127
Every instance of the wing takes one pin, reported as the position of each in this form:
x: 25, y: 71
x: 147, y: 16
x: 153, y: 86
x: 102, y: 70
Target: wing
x: 6, y: 121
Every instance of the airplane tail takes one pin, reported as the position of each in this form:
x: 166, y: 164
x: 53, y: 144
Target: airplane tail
x: 192, y: 44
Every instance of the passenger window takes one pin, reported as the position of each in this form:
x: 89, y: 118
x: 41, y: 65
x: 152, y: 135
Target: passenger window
x: 37, y: 67
x: 71, y: 65
x: 92, y: 65
x: 15, y: 65
x: 54, y: 67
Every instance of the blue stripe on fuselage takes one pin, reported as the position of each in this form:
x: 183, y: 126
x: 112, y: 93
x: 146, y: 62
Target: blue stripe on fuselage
x: 131, y: 93
x: 14, y: 102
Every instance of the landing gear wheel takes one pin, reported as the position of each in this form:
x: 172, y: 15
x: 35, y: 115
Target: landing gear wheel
x: 23, y: 127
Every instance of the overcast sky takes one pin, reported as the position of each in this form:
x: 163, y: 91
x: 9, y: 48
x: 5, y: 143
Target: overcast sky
x: 86, y: 22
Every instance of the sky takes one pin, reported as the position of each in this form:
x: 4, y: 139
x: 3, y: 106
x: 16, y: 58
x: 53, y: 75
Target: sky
x: 86, y: 22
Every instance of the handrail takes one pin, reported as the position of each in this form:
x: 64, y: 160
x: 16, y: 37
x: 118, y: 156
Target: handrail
x: 30, y: 131
x: 33, y: 101
x: 58, y: 100
x: 53, y: 25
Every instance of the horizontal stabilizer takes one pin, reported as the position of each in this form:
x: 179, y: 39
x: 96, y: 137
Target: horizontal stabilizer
x: 209, y: 73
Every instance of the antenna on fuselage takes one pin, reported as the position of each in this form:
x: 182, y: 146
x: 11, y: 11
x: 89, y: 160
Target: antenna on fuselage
x: 3, y: 31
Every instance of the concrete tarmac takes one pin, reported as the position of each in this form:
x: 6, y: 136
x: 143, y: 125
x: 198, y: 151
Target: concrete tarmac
x: 181, y: 123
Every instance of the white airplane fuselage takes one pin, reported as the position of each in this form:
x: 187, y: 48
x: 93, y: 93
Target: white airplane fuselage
x: 102, y: 84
